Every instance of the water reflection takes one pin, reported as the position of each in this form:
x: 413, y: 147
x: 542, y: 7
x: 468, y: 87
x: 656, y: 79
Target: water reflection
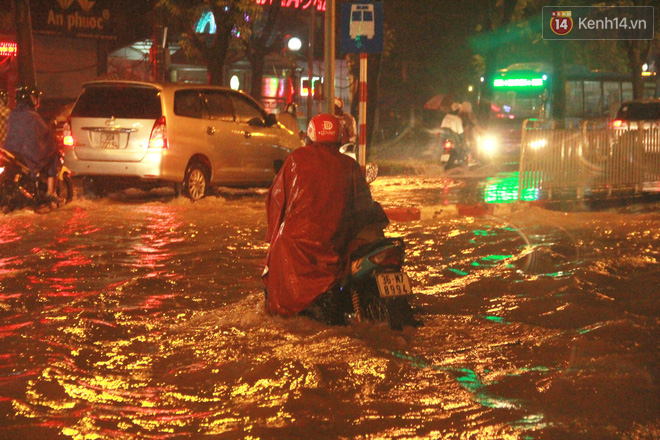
x: 146, y: 320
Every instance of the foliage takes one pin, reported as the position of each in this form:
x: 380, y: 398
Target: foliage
x: 262, y: 40
x: 232, y: 19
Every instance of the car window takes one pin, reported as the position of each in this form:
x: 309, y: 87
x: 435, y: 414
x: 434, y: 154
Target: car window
x: 219, y: 105
x: 639, y: 111
x: 188, y: 103
x: 119, y: 101
x: 246, y: 110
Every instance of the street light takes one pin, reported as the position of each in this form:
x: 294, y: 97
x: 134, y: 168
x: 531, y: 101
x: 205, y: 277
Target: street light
x: 294, y: 44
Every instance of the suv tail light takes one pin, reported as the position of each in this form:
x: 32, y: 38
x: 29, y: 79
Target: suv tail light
x: 158, y: 138
x: 67, y: 136
x: 618, y: 123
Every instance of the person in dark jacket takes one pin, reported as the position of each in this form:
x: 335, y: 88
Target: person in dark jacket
x: 318, y: 203
x: 29, y: 136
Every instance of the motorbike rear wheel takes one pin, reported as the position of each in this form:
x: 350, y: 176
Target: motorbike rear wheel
x: 375, y: 309
x: 65, y: 188
x: 395, y: 311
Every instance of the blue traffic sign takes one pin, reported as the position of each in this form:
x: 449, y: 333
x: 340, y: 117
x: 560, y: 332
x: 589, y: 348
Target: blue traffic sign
x: 362, y: 27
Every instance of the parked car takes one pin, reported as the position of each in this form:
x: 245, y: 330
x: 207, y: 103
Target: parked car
x: 142, y: 134
x: 637, y: 123
x: 631, y: 114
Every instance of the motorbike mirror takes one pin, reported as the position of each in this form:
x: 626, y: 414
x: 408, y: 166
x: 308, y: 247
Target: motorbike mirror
x: 348, y: 149
x: 370, y: 172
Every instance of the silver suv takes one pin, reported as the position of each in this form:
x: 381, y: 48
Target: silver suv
x: 141, y: 134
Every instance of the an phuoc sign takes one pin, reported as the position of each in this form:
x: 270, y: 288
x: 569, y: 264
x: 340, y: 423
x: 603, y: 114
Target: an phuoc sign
x: 76, y: 18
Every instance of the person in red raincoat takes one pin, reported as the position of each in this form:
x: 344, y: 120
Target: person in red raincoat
x: 316, y: 206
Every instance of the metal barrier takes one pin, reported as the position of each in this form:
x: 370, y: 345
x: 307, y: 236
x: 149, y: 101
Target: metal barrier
x: 592, y: 159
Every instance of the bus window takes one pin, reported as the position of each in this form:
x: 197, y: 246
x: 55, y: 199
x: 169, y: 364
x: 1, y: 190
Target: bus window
x: 592, y: 99
x: 626, y: 91
x: 574, y: 99
x: 612, y: 97
x: 649, y: 90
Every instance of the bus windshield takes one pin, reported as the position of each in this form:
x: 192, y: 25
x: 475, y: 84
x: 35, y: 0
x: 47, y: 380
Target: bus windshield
x: 510, y: 104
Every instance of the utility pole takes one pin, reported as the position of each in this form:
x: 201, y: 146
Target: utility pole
x: 329, y: 84
x: 25, y: 55
x: 310, y: 64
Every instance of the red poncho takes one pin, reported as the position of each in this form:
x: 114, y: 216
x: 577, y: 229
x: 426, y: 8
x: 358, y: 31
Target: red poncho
x: 317, y: 204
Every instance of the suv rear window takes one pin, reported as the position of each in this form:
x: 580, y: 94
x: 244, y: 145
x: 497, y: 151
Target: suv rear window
x: 118, y: 101
x: 639, y: 111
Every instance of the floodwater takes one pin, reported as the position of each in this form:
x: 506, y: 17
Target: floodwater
x: 139, y: 316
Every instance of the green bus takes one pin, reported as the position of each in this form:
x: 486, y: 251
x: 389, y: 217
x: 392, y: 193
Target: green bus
x: 523, y: 91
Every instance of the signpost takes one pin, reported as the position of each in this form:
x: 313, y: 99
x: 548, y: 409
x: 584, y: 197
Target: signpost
x: 362, y: 33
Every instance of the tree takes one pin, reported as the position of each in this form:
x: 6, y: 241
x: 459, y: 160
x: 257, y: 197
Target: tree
x: 26, y: 73
x: 498, y: 19
x: 232, y: 22
x: 638, y: 51
x: 260, y: 43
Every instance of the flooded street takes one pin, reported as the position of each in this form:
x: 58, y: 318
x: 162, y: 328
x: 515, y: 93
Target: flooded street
x: 140, y: 316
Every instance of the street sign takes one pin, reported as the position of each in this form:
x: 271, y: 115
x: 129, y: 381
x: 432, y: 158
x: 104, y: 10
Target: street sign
x: 362, y: 27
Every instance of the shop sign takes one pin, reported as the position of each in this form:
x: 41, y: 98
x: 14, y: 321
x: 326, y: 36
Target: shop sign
x: 8, y: 48
x: 297, y: 4
x: 76, y: 18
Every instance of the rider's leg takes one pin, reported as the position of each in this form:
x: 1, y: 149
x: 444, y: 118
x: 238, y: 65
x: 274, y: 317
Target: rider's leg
x: 51, y: 186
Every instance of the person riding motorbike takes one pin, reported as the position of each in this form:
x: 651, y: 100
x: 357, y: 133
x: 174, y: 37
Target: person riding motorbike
x: 452, y: 121
x: 29, y: 136
x: 347, y: 121
x: 317, y: 205
x: 451, y: 128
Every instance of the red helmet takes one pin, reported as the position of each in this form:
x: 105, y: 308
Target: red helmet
x: 324, y: 128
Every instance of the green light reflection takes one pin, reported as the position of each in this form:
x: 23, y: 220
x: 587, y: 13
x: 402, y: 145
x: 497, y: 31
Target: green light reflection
x: 505, y: 188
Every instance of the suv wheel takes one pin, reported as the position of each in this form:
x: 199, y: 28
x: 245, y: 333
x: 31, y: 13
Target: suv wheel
x: 195, y: 182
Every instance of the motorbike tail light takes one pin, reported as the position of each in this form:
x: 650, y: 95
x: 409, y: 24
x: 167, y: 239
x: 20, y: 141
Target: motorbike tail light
x: 390, y: 257
x: 67, y: 135
x: 448, y: 145
x: 158, y: 138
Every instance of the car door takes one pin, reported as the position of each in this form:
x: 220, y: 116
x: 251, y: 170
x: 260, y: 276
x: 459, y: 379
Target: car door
x: 260, y: 142
x: 224, y: 136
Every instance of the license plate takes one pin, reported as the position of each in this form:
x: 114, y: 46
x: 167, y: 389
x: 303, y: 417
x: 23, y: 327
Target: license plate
x: 109, y: 140
x: 444, y: 158
x: 393, y: 284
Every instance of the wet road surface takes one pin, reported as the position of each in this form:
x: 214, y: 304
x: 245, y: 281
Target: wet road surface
x: 140, y: 316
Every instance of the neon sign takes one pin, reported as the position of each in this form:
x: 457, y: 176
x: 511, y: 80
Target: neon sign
x: 304, y: 85
x: 519, y: 82
x: 207, y: 20
x: 8, y: 48
x: 298, y: 4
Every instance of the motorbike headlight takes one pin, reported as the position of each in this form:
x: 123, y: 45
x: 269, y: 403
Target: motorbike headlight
x: 489, y: 145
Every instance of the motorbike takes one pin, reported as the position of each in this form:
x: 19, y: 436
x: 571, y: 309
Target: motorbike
x: 20, y: 189
x: 454, y: 150
x: 377, y: 288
